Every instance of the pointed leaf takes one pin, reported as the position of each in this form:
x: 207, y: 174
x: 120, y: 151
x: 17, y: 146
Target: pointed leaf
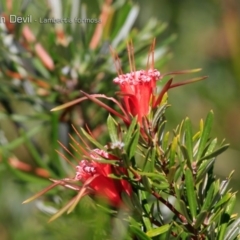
x: 233, y: 230
x: 188, y: 81
x: 215, y: 153
x: 173, y: 151
x: 92, y: 140
x: 226, y: 217
x: 186, y: 156
x: 147, y: 210
x: 205, y: 134
x: 40, y: 193
x: 153, y: 159
x: 62, y: 210
x: 207, y: 204
x: 189, y: 138
x: 165, y: 141
x: 133, y: 143
x: 215, y: 216
x: 191, y: 196
x: 139, y: 233
x: 136, y: 203
x: 158, y: 115
x: 146, y: 183
x: 128, y: 135
x: 204, y: 168
x: 183, y: 210
x: 200, y: 219
x: 158, y: 231
x: 159, y: 176
x: 112, y: 129
x: 223, y: 200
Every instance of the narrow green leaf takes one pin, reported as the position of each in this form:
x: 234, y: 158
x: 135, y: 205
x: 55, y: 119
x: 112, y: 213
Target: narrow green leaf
x: 196, y: 136
x: 161, y: 186
x: 204, y: 168
x: 158, y: 231
x: 146, y: 183
x: 189, y: 138
x: 183, y: 210
x: 171, y: 174
x: 128, y: 135
x: 153, y: 159
x: 205, y: 134
x: 212, y: 231
x: 209, y: 198
x: 206, y: 151
x: 91, y: 139
x: 173, y: 151
x: 178, y: 190
x: 202, y: 189
x: 165, y: 141
x: 215, y: 216
x: 160, y: 132
x: 231, y: 204
x: 40, y: 68
x: 215, y: 153
x: 224, y: 184
x: 158, y: 115
x: 183, y: 72
x: 223, y: 200
x: 133, y: 144
x: 129, y: 21
x: 158, y: 176
x: 179, y: 129
x: 226, y: 217
x: 186, y: 156
x: 212, y: 146
x: 178, y: 173
x: 191, y: 196
x: 235, y: 226
x: 147, y: 209
x: 118, y: 23
x: 145, y: 166
x: 136, y: 203
x: 139, y: 233
x: 200, y: 219
x: 112, y: 129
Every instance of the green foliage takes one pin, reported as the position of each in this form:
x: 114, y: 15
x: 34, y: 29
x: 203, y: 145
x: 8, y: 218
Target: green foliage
x: 178, y: 176
x: 173, y: 172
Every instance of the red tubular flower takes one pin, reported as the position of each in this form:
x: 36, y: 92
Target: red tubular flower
x: 137, y: 88
x: 103, y: 185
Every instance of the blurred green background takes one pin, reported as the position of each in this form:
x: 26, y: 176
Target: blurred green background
x: 207, y: 36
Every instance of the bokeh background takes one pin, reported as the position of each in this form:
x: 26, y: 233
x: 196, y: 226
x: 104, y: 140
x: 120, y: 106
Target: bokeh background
x: 206, y: 35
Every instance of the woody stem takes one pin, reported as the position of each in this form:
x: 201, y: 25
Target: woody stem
x: 175, y: 211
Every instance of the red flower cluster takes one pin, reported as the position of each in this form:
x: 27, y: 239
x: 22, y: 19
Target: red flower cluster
x: 103, y: 185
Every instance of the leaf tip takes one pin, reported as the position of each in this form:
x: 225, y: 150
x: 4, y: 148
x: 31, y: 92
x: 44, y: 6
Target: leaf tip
x: 54, y: 109
x: 28, y: 200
